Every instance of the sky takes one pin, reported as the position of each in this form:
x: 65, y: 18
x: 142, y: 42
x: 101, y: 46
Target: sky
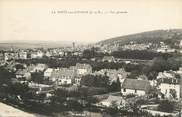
x: 42, y: 20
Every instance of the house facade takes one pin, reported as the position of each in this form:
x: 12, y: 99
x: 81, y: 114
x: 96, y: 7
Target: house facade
x: 40, y: 67
x: 23, y: 55
x: 113, y: 100
x: 48, y: 72
x: 37, y: 54
x: 23, y: 74
x: 10, y: 55
x: 63, y: 76
x: 108, y: 59
x: 83, y: 69
x: 170, y: 87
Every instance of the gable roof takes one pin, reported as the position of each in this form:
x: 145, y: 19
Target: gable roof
x: 21, y: 72
x: 136, y: 84
x: 63, y: 72
x: 83, y: 66
x: 110, y: 99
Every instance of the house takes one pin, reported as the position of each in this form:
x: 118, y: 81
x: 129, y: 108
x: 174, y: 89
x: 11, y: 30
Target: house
x: 40, y: 88
x: 48, y: 72
x: 40, y: 67
x: 166, y: 50
x: 22, y: 55
x: 83, y: 69
x: 31, y: 68
x: 108, y: 59
x: 6, y: 56
x: 10, y: 56
x: 166, y: 74
x: 113, y: 74
x: 112, y: 101
x: 179, y: 71
x: 63, y: 76
x: 180, y: 44
x: 61, y: 53
x: 134, y: 86
x: 170, y: 87
x: 37, y: 54
x: 23, y: 74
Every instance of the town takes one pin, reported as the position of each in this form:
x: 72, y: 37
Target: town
x: 134, y: 79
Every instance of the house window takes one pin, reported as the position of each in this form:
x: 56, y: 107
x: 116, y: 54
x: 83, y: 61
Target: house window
x: 135, y: 91
x: 124, y: 90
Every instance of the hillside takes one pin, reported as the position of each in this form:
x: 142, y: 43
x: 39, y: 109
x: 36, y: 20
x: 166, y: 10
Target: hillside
x: 156, y: 36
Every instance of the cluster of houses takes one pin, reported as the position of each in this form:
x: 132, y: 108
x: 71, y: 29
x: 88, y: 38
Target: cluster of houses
x: 68, y: 76
x: 135, y: 46
x: 12, y: 55
x: 58, y: 76
x: 161, y: 47
x: 38, y: 53
x: 168, y: 84
x: 25, y: 73
x: 165, y: 48
x: 113, y: 74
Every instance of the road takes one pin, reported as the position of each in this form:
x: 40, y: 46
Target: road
x: 9, y: 111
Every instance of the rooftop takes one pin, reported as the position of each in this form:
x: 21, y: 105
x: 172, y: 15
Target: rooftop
x: 136, y: 84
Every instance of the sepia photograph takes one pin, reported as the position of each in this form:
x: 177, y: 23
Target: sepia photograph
x: 90, y: 58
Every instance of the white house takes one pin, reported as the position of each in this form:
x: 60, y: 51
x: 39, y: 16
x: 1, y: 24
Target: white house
x: 83, y: 69
x: 170, y: 86
x: 23, y: 74
x: 23, y: 55
x: 40, y: 67
x: 179, y: 71
x: 134, y: 86
x: 166, y: 74
x: 108, y: 59
x: 63, y: 76
x: 48, y: 72
x: 180, y: 44
x: 38, y: 54
x: 113, y: 101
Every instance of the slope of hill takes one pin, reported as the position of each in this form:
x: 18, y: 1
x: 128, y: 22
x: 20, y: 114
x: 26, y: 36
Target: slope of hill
x: 156, y: 36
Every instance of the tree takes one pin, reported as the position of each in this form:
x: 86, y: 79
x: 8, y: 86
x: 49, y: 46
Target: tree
x: 19, y: 66
x: 18, y: 89
x: 37, y: 77
x: 88, y: 53
x: 159, y: 64
x: 115, y: 86
x: 173, y: 93
x: 5, y: 76
x: 166, y: 106
x: 113, y: 109
x: 95, y: 81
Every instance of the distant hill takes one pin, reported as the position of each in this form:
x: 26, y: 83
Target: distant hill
x: 169, y: 36
x: 33, y: 44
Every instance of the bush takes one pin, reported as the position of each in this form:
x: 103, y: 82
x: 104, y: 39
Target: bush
x: 166, y: 106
